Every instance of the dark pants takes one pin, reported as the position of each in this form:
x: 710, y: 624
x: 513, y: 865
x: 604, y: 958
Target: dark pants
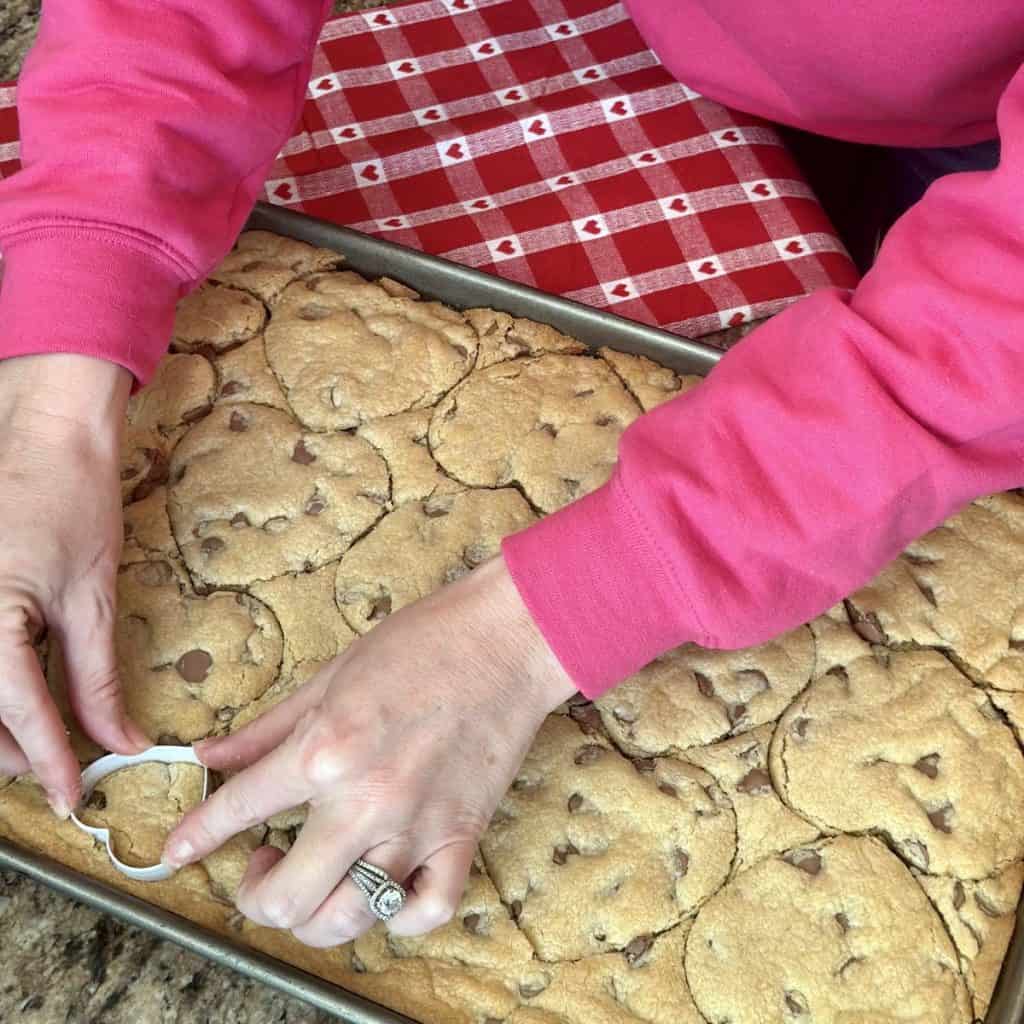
x: 864, y: 189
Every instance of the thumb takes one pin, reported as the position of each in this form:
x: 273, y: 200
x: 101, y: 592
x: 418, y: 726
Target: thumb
x: 86, y: 629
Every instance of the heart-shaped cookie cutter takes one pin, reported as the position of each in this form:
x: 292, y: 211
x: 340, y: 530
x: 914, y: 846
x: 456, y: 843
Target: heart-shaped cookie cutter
x: 114, y: 763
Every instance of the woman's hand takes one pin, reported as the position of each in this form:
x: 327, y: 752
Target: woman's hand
x: 403, y: 746
x: 60, y: 524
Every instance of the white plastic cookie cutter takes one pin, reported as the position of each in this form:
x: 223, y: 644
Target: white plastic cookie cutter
x: 114, y: 763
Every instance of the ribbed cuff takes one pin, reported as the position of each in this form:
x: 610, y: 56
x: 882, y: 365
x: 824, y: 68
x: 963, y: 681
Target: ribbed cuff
x: 90, y: 293
x: 592, y: 579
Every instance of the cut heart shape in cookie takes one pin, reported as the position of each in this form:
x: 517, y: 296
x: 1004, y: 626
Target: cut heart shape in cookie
x: 112, y: 763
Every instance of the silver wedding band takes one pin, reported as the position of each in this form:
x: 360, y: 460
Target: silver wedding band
x: 384, y: 895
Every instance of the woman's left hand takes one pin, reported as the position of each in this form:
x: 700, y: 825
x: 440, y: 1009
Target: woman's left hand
x: 403, y: 747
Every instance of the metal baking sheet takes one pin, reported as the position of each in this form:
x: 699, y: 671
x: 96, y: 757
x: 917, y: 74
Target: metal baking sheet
x: 463, y: 288
x: 460, y: 287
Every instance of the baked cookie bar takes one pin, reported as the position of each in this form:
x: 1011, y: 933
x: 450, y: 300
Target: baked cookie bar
x: 824, y: 828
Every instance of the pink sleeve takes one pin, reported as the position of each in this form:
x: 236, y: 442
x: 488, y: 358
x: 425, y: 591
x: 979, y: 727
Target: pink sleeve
x: 816, y: 450
x: 147, y: 130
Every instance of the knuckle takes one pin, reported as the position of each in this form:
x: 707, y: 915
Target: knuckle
x: 18, y: 622
x: 320, y: 749
x: 280, y: 911
x: 433, y: 913
x: 347, y: 922
x: 101, y: 685
x: 237, y: 806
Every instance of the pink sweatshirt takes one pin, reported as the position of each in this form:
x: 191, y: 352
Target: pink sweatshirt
x: 816, y: 450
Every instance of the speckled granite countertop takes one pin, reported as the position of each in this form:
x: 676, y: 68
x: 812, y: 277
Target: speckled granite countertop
x: 65, y: 964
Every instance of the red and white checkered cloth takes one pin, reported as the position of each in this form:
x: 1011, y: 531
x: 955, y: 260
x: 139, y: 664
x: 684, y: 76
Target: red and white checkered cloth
x: 541, y: 140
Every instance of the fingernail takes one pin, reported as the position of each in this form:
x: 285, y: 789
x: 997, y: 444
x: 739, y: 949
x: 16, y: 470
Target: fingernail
x: 202, y: 749
x: 136, y: 736
x: 178, y: 853
x: 60, y: 806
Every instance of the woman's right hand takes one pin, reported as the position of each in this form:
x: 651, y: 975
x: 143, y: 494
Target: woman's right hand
x: 60, y: 522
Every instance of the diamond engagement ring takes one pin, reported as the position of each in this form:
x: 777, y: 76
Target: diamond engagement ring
x: 385, y: 896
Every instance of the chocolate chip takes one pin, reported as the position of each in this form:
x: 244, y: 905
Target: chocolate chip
x: 240, y: 519
x: 757, y: 780
x: 530, y: 989
x: 238, y: 423
x: 868, y: 628
x: 799, y: 727
x: 380, y: 608
x: 357, y: 965
x: 232, y: 387
x: 588, y: 718
x: 585, y: 393
x: 637, y: 947
x: 928, y: 765
x: 562, y: 853
x: 704, y: 684
x: 680, y: 863
x: 840, y: 673
x: 589, y: 754
x: 735, y: 713
x: 159, y: 471
x: 806, y: 860
x: 796, y: 1003
x: 575, y: 802
x: 572, y: 486
x: 959, y: 896
x: 315, y: 506
x: 194, y: 666
x: 605, y: 421
x: 644, y: 764
x: 211, y: 546
x: 471, y: 922
x: 516, y: 909
x: 984, y: 906
x: 844, y: 923
x: 302, y: 455
x: 668, y: 790
x: 549, y: 429
x: 314, y: 311
x: 197, y: 413
x: 940, y: 818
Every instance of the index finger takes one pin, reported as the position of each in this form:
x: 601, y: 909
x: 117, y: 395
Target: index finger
x: 271, y: 785
x: 31, y: 717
